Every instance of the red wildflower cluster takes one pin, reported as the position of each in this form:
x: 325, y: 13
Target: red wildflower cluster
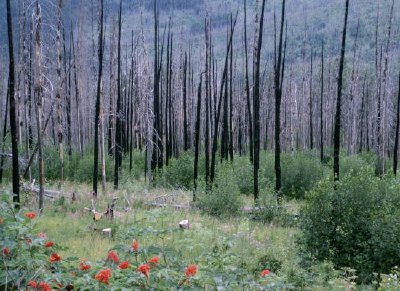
x: 30, y: 215
x: 43, y: 286
x: 49, y: 244
x: 264, y: 273
x: 84, y: 265
x: 154, y: 260
x: 103, y: 276
x: 124, y: 265
x: 113, y: 257
x: 54, y: 258
x: 144, y: 269
x: 135, y: 246
x: 6, y: 251
x: 191, y: 271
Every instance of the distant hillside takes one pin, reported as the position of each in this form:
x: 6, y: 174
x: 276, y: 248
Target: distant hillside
x: 309, y: 22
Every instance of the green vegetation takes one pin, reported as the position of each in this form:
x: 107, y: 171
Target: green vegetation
x: 333, y: 239
x: 355, y: 225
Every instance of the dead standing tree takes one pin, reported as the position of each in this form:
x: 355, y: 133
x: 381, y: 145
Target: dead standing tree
x: 279, y: 68
x: 13, y: 121
x: 256, y: 100
x: 336, y: 137
x: 98, y: 105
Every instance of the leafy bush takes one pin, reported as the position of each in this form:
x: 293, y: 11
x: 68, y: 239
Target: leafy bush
x: 224, y: 197
x: 355, y: 225
x: 300, y: 172
x: 354, y: 164
x: 178, y: 173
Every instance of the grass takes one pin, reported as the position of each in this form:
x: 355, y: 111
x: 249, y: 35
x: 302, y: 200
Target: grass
x: 68, y: 223
x: 238, y: 241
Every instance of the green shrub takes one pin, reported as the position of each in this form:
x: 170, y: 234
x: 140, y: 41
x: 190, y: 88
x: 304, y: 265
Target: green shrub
x: 178, y: 173
x: 224, y: 197
x: 244, y: 174
x: 355, y: 225
x: 353, y: 164
x: 300, y: 172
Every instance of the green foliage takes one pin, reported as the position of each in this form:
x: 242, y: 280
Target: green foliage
x: 300, y: 172
x: 270, y: 211
x: 355, y: 225
x: 27, y: 259
x: 178, y: 173
x: 390, y: 282
x: 244, y: 174
x: 224, y: 197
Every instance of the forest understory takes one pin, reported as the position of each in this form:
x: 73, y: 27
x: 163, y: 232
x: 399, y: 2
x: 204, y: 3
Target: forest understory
x: 199, y: 145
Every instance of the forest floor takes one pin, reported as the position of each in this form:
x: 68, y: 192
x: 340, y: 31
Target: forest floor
x: 252, y: 245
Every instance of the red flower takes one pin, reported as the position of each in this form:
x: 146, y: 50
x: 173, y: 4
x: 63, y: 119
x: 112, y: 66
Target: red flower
x: 154, y: 260
x: 191, y: 271
x: 30, y: 215
x: 69, y: 287
x: 124, y: 265
x: 84, y: 266
x: 42, y: 235
x: 264, y: 273
x: 43, y: 286
x: 135, y: 245
x: 54, y: 258
x: 144, y: 269
x: 49, y: 244
x: 6, y: 251
x: 103, y: 276
x: 32, y: 284
x: 113, y: 257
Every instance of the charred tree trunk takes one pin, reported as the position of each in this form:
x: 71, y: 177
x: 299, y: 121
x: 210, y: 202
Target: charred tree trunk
x: 336, y: 140
x: 278, y: 79
x: 98, y: 105
x: 218, y: 110
x: 118, y: 128
x: 13, y: 118
x: 396, y: 143
x: 321, y: 132
x: 197, y: 138
x: 59, y: 94
x: 185, y: 119
x: 247, y: 86
x: 256, y: 102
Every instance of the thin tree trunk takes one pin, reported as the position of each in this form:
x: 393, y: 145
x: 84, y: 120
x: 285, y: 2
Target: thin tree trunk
x: 98, y: 105
x: 13, y: 117
x: 3, y: 144
x: 197, y: 138
x: 38, y: 97
x: 396, y: 143
x: 248, y: 101
x: 256, y: 103
x: 279, y: 73
x: 58, y: 94
x: 118, y: 128
x: 336, y: 146
x: 321, y: 133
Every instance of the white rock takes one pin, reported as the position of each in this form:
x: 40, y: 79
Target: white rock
x: 184, y: 224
